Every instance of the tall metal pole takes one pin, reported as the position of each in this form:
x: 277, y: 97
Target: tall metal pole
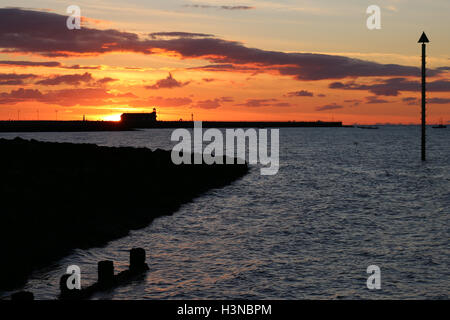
x: 423, y: 102
x: 423, y: 39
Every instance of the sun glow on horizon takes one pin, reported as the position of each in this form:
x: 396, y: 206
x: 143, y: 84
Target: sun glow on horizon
x: 112, y: 117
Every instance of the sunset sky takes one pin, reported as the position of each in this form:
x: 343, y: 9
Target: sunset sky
x: 224, y: 60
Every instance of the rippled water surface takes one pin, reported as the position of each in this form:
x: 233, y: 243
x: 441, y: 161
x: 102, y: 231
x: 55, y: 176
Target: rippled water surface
x: 342, y: 200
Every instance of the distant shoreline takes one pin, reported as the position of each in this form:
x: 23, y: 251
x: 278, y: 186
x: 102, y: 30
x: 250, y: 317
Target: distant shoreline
x: 79, y: 126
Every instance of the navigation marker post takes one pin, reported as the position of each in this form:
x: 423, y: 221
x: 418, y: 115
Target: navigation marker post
x: 424, y: 40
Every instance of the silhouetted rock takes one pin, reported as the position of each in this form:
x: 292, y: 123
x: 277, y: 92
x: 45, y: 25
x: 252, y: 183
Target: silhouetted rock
x: 59, y: 196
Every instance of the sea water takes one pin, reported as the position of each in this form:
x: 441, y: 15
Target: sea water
x: 342, y: 200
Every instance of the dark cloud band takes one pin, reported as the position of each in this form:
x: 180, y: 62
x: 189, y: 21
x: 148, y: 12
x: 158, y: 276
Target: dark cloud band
x: 44, y: 33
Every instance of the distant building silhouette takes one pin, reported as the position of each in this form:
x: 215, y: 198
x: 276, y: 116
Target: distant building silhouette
x: 138, y: 118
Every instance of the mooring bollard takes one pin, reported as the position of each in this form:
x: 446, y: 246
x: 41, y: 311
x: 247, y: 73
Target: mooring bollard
x: 22, y: 296
x: 65, y: 291
x: 105, y: 273
x: 106, y: 277
x: 63, y: 284
x: 137, y: 260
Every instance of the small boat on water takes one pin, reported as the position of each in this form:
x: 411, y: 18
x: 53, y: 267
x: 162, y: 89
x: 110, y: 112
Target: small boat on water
x: 440, y: 126
x: 367, y: 127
